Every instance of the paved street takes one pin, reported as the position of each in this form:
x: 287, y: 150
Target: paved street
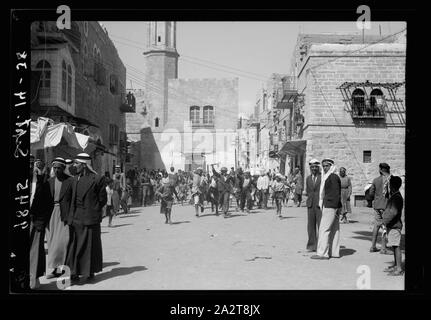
x: 255, y: 251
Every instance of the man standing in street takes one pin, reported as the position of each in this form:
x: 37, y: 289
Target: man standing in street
x: 59, y: 194
x: 328, y: 243
x: 39, y: 220
x: 246, y: 200
x: 299, y: 186
x: 263, y: 189
x: 225, y: 188
x: 313, y: 209
x: 197, y: 191
x: 146, y: 189
x: 379, y: 192
x: 88, y: 198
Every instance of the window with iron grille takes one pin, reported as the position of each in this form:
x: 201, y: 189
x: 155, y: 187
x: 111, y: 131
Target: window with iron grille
x: 367, y: 156
x: 358, y: 102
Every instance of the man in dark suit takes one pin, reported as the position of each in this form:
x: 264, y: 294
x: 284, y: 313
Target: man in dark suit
x: 224, y: 188
x: 58, y: 191
x: 39, y: 220
x: 88, y: 198
x: 379, y: 192
x: 328, y: 244
x: 313, y: 209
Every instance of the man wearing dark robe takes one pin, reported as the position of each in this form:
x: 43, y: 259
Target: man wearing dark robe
x: 39, y: 219
x: 84, y: 256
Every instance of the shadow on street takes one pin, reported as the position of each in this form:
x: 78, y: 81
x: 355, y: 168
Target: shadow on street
x: 116, y: 272
x: 346, y: 252
x: 109, y: 264
x: 121, y: 225
x: 179, y: 222
x: 130, y: 215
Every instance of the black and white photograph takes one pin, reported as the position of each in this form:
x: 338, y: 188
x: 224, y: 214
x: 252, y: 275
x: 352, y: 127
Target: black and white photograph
x: 212, y: 154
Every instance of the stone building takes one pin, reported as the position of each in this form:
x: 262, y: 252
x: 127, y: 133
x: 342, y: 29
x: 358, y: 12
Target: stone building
x: 353, y: 104
x: 79, y: 78
x: 183, y: 123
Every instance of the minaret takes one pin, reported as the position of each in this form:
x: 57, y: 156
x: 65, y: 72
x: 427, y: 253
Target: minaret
x: 161, y: 64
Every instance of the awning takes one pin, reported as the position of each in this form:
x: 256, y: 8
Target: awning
x: 45, y: 134
x: 293, y: 147
x: 64, y: 116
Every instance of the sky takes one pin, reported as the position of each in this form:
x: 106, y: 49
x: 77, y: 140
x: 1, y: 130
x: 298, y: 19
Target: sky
x: 250, y: 51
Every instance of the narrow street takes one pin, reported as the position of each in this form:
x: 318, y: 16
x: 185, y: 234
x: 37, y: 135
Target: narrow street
x: 258, y: 251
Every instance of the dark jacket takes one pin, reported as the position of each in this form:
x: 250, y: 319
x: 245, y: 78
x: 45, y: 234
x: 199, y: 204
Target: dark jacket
x: 224, y: 183
x: 94, y: 187
x: 332, y: 191
x: 312, y: 190
x: 64, y: 199
x: 376, y: 193
x: 392, y: 213
x: 38, y: 215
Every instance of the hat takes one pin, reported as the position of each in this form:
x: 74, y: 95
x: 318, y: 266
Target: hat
x: 223, y: 169
x: 328, y: 160
x: 384, y: 165
x: 58, y: 162
x: 314, y: 162
x: 279, y: 175
x: 86, y: 159
x: 68, y: 161
x: 199, y: 168
x: 118, y: 166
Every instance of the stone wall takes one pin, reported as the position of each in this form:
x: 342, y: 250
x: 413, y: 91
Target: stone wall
x: 330, y: 130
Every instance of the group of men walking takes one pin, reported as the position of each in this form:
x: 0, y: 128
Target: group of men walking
x: 67, y: 209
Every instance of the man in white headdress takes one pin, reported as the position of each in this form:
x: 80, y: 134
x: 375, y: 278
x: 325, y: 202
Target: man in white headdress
x: 58, y: 190
x: 88, y: 198
x: 263, y: 187
x: 328, y: 244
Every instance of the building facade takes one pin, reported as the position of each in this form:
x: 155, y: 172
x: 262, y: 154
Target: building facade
x: 79, y: 78
x: 353, y: 104
x: 183, y: 123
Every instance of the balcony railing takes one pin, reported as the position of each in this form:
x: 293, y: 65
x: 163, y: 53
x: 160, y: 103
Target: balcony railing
x: 367, y: 111
x: 129, y: 104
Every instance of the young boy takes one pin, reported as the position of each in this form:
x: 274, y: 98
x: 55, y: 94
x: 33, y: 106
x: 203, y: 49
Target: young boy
x: 279, y: 188
x: 166, y: 192
x: 109, y: 204
x: 393, y: 224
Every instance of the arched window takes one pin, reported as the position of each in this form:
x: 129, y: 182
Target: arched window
x: 208, y: 115
x: 194, y: 114
x: 358, y: 102
x: 63, y: 81
x: 45, y: 78
x: 376, y: 102
x: 156, y: 122
x: 69, y: 85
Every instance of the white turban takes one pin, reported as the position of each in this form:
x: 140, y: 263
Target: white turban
x: 85, y: 158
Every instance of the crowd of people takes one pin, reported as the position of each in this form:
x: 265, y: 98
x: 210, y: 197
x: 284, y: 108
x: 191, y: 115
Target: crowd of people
x: 69, y: 203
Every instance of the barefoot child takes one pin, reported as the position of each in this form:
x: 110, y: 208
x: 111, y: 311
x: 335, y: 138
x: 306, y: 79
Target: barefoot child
x: 166, y: 192
x: 393, y: 224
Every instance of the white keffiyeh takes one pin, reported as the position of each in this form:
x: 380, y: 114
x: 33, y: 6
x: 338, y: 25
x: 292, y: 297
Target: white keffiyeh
x: 325, y: 176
